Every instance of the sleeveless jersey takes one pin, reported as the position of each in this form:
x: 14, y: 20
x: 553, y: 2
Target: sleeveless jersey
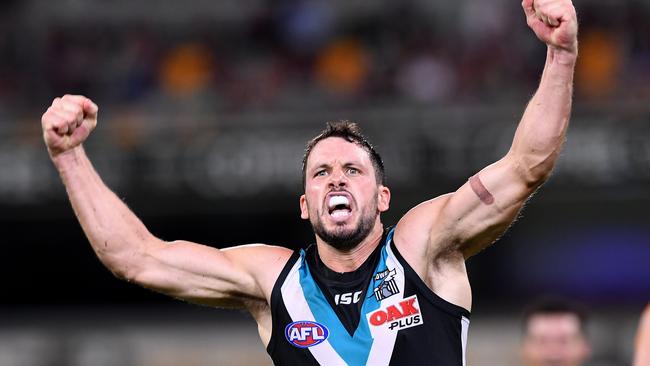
x: 401, y: 322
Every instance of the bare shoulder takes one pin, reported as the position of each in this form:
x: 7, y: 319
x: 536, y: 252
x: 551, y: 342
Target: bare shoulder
x: 264, y: 262
x: 413, y: 231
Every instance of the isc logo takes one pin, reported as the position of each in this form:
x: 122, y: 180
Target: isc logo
x: 347, y: 298
x: 306, y: 333
x: 403, y: 315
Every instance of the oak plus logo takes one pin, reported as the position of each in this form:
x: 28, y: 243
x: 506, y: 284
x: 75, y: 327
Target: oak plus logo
x: 402, y: 315
x: 306, y: 333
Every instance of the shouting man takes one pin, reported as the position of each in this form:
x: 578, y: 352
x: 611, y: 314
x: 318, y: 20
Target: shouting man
x: 363, y: 294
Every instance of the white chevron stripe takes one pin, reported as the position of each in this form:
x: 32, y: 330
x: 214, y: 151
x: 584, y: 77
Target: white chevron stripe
x: 464, y: 322
x: 384, y: 338
x: 298, y: 309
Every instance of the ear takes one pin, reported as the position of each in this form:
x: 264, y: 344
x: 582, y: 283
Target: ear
x: 383, y: 198
x: 304, y: 210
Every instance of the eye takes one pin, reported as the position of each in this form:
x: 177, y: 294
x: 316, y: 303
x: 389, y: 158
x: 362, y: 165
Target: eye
x: 353, y: 171
x: 320, y: 173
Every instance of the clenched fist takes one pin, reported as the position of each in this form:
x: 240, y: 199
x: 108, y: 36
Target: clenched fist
x: 68, y: 122
x: 554, y: 22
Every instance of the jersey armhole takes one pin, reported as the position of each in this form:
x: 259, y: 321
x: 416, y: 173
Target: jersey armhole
x: 409, y: 272
x: 276, y: 298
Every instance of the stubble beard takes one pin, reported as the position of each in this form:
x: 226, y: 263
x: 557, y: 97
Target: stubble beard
x: 346, y: 239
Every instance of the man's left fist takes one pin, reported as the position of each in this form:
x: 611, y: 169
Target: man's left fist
x: 554, y: 22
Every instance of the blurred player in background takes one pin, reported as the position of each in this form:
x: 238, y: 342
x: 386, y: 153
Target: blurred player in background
x: 364, y: 294
x: 554, y: 335
x: 642, y: 346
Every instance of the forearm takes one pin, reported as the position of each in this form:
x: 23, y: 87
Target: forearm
x: 541, y: 132
x: 117, y: 236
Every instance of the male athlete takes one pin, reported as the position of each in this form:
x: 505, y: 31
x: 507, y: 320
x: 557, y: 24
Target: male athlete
x: 363, y: 294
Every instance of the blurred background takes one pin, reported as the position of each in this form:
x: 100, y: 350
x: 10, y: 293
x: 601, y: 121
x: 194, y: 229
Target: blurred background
x: 205, y: 107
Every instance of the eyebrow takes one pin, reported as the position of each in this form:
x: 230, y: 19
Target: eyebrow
x: 327, y: 165
x: 320, y: 166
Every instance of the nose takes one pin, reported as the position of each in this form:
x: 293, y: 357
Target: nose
x: 338, y: 178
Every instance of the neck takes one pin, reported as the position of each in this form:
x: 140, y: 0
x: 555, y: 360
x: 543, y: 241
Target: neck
x: 349, y: 260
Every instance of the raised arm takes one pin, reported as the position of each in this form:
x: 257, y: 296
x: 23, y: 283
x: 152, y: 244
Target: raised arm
x: 488, y: 203
x: 185, y: 270
x: 480, y: 211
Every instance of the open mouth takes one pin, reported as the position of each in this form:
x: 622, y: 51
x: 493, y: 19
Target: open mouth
x: 339, y: 206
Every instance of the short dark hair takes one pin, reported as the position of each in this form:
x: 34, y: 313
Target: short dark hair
x: 350, y: 132
x: 555, y: 306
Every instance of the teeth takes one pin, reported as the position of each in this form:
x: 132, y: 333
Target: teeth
x: 338, y: 200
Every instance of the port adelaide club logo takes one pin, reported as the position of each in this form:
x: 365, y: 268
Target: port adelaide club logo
x: 305, y: 333
x: 385, y: 284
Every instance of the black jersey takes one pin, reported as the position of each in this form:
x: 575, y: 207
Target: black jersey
x: 400, y: 320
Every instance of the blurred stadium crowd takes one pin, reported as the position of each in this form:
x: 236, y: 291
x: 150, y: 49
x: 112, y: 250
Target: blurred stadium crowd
x: 298, y: 53
x: 214, y: 70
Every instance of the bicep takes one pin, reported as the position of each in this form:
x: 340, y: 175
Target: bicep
x: 437, y: 235
x: 483, y: 208
x: 472, y: 218
x: 206, y: 275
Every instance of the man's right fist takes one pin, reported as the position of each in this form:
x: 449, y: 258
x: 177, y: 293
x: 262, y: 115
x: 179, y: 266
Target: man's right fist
x: 68, y: 122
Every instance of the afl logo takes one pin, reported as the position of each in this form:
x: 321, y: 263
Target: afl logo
x: 305, y: 333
